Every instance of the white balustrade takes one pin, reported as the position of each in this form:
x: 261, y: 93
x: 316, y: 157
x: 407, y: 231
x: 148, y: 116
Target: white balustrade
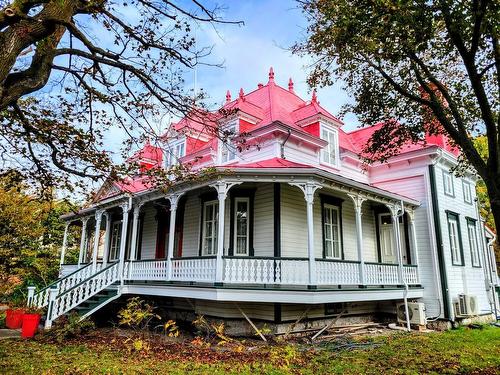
x: 331, y: 272
x: 265, y: 271
x: 410, y: 273
x: 249, y: 270
x: 381, y: 274
x: 41, y: 299
x: 147, y: 270
x: 194, y: 269
x: 261, y: 270
x: 79, y: 293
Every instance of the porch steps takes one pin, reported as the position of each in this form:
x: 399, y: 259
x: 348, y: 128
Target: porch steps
x: 97, y: 301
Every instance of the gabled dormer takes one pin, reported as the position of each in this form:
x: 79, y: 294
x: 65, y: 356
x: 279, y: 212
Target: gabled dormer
x: 317, y: 121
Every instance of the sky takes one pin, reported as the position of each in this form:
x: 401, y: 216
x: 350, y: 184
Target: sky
x: 248, y: 51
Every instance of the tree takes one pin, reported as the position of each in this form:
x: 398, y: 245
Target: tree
x: 31, y: 234
x: 408, y: 60
x: 105, y: 64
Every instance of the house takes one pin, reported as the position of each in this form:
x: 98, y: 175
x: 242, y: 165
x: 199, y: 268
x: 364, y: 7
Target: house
x: 288, y: 226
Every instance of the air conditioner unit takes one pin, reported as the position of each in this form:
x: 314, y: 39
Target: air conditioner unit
x: 466, y: 305
x: 416, y: 313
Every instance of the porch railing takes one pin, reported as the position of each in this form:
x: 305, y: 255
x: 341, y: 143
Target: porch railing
x: 267, y: 270
x: 381, y: 274
x: 200, y: 269
x: 337, y: 272
x: 261, y: 270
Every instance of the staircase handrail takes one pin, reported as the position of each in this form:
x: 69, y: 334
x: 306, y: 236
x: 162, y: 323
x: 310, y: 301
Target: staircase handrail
x: 41, y: 298
x: 82, y: 291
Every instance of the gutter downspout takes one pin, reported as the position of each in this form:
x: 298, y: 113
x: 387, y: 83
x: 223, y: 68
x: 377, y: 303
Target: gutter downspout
x: 282, y: 145
x: 439, y: 242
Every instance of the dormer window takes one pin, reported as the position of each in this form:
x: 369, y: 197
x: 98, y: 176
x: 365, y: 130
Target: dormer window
x: 175, y: 151
x: 227, y: 150
x: 329, y: 153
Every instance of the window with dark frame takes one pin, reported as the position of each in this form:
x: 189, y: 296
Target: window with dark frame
x: 473, y: 242
x: 467, y: 190
x: 241, y: 226
x: 210, y: 227
x: 331, y: 213
x: 448, y: 187
x: 114, y: 247
x: 457, y: 256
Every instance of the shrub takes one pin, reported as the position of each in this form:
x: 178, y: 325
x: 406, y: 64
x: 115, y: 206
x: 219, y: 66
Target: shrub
x: 137, y: 314
x: 69, y: 327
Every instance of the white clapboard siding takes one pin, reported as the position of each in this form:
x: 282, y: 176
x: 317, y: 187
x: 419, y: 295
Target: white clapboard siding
x: 191, y: 230
x: 461, y: 279
x: 415, y: 187
x: 293, y: 222
x: 263, y: 239
x: 148, y: 245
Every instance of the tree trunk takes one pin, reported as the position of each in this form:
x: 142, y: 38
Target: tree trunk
x: 493, y: 188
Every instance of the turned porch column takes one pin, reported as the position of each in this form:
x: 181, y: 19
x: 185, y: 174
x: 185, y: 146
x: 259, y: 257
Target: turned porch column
x: 174, y: 200
x: 65, y: 243
x: 395, y: 214
x: 83, y: 239
x: 98, y: 218
x: 107, y: 236
x: 309, y: 188
x: 222, y: 188
x: 358, y: 203
x: 135, y: 225
x: 123, y: 238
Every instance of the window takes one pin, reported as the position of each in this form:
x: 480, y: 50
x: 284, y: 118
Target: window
x: 114, y: 247
x: 467, y: 192
x: 242, y: 226
x: 329, y: 154
x: 227, y: 149
x: 175, y: 151
x: 332, y: 246
x: 210, y: 225
x: 455, y: 240
x: 448, y: 184
x: 473, y: 243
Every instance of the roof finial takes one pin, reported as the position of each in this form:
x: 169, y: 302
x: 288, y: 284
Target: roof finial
x: 314, y: 97
x: 290, y: 85
x: 228, y: 96
x: 271, y: 74
x: 242, y: 94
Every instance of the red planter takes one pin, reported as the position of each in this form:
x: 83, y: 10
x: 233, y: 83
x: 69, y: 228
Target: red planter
x: 14, y: 318
x: 30, y: 325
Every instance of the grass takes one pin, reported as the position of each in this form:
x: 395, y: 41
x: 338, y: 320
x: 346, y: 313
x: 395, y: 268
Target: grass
x: 462, y: 351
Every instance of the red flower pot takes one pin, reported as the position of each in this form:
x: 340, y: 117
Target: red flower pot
x: 30, y: 325
x: 14, y: 318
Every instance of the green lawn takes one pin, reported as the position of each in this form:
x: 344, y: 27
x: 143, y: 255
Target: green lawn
x: 454, y: 352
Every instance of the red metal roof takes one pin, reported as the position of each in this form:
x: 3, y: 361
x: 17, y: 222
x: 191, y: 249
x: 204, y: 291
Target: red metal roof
x: 270, y: 163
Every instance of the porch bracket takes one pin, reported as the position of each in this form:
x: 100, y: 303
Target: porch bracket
x: 222, y: 187
x: 358, y: 209
x: 309, y: 188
